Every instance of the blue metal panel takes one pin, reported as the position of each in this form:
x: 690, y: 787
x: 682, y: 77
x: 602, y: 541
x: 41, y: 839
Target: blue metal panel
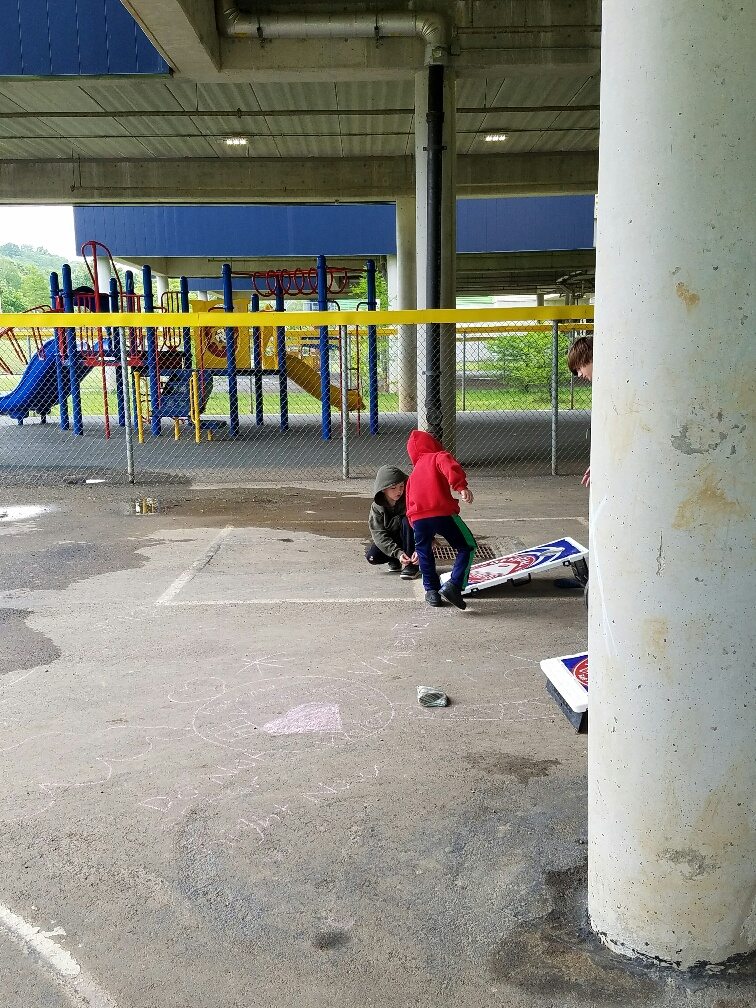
x: 345, y: 229
x: 64, y: 46
x: 495, y: 225
x: 10, y: 51
x: 93, y: 50
x: 33, y: 31
x: 72, y: 37
x: 525, y: 224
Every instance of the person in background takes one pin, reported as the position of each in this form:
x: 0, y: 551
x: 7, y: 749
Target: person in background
x: 580, y: 363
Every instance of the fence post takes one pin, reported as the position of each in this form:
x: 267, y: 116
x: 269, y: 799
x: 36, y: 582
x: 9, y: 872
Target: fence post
x: 122, y: 383
x: 464, y: 368
x: 554, y: 396
x: 372, y: 305
x: 283, y: 377
x: 73, y: 384
x: 325, y: 364
x: 60, y: 374
x: 152, y: 358
x: 257, y: 363
x: 344, y: 346
x: 233, y: 390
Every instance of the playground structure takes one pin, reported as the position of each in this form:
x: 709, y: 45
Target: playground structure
x: 187, y: 370
x: 173, y: 367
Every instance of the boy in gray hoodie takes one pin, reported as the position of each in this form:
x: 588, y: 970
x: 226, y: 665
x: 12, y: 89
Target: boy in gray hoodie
x: 393, y: 541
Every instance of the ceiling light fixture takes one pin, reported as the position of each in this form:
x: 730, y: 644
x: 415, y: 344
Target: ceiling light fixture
x: 237, y: 141
x: 495, y: 137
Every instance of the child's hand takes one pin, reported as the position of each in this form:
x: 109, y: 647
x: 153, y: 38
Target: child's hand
x: 404, y: 559
x: 586, y: 480
x: 467, y: 495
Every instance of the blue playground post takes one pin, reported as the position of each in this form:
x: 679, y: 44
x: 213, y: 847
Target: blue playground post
x: 372, y: 349
x: 187, y: 333
x: 71, y: 353
x: 323, y: 349
x: 283, y: 377
x: 115, y: 351
x: 152, y: 368
x: 60, y: 374
x: 233, y: 392
x: 257, y: 362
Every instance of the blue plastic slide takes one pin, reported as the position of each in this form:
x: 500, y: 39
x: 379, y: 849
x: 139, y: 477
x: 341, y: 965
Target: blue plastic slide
x: 37, y: 392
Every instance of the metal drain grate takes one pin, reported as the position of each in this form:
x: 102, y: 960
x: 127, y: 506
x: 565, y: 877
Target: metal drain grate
x: 446, y: 554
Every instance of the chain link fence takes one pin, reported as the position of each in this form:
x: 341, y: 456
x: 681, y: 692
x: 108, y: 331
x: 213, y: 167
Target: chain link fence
x: 209, y: 404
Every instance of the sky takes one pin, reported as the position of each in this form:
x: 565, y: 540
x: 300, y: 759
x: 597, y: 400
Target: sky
x: 48, y: 227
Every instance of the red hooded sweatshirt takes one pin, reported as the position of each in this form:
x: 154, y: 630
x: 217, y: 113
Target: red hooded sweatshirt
x: 435, y: 471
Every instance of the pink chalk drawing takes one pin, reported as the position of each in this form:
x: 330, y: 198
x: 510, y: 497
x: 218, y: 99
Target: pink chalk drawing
x: 308, y: 717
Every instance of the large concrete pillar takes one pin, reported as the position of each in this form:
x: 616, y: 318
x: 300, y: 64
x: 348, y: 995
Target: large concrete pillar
x: 406, y: 299
x: 671, y: 741
x: 448, y: 248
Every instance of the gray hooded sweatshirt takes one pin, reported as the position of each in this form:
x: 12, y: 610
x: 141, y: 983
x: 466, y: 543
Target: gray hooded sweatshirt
x: 385, y: 521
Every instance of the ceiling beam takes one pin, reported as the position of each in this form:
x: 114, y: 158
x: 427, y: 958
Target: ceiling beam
x: 283, y: 180
x: 183, y: 31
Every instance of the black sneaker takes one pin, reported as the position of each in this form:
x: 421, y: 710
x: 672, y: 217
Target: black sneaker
x: 410, y: 572
x: 452, y: 594
x: 394, y: 566
x: 433, y: 598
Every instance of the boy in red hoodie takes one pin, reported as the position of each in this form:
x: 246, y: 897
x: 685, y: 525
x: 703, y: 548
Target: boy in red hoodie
x: 431, y: 511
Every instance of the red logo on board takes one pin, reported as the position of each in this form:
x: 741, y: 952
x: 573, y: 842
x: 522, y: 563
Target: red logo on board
x: 581, y: 672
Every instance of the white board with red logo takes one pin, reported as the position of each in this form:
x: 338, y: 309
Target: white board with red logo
x: 569, y: 676
x: 519, y: 566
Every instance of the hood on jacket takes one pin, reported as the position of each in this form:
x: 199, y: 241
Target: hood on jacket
x: 385, y: 477
x: 422, y: 443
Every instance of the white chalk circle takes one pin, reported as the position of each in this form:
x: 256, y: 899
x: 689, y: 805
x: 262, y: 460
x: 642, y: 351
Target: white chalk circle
x: 302, y: 712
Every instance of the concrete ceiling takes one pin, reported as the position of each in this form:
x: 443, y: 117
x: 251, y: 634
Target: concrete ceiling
x: 324, y: 118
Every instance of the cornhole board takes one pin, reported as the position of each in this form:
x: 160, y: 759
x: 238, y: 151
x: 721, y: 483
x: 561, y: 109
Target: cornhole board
x: 519, y: 566
x: 567, y: 683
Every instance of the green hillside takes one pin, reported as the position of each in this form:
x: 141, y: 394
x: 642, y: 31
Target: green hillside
x: 25, y: 276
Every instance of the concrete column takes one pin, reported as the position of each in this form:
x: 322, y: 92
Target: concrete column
x: 421, y: 228
x: 104, y: 273
x: 449, y: 262
x: 161, y: 287
x: 448, y: 252
x: 671, y: 740
x: 406, y: 299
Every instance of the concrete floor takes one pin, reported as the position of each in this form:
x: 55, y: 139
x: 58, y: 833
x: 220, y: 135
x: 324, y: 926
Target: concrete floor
x: 495, y: 443
x: 218, y: 788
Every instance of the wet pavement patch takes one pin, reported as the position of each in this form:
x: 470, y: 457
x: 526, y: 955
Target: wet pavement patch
x: 523, y: 768
x: 291, y: 508
x: 23, y: 647
x: 58, y: 565
x: 21, y: 512
x: 556, y: 955
x: 328, y: 941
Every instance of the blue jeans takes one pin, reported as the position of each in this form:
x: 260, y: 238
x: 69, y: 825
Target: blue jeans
x: 459, y: 537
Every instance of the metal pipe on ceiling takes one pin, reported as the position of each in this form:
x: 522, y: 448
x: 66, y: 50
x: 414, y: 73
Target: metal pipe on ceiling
x: 430, y: 26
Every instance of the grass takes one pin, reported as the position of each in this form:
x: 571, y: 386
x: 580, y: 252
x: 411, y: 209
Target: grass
x: 496, y: 400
